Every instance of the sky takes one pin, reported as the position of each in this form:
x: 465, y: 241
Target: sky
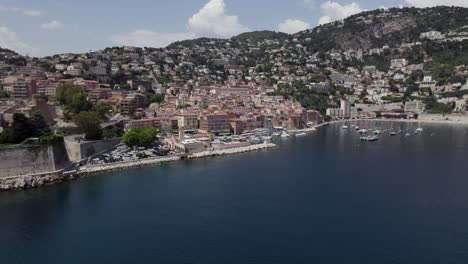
x: 47, y: 27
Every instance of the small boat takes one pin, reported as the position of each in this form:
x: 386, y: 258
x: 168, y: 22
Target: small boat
x: 362, y: 131
x: 276, y: 134
x: 285, y: 135
x: 301, y: 134
x: 357, y: 128
x: 393, y: 133
x: 408, y: 134
x: 377, y: 132
x: 345, y: 127
x: 419, y: 130
x: 370, y: 138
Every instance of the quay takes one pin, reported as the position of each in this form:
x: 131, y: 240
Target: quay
x: 92, y: 169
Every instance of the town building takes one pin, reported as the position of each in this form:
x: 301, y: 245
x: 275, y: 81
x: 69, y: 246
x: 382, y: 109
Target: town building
x: 188, y: 121
x: 415, y: 106
x: 346, y: 108
x: 215, y: 123
x: 335, y: 113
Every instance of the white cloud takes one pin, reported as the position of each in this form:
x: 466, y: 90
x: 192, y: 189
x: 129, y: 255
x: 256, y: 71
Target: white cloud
x: 332, y: 11
x: 212, y: 21
x: 31, y: 12
x: 291, y: 26
x: 431, y: 3
x: 26, y: 12
x: 52, y: 25
x: 10, y: 40
x: 147, y: 38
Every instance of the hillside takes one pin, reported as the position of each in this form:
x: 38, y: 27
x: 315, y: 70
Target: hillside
x: 377, y: 28
x: 258, y: 36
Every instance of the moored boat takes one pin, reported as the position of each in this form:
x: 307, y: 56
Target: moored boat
x: 370, y: 138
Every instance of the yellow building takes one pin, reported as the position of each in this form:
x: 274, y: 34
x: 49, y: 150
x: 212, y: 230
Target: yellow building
x: 188, y: 121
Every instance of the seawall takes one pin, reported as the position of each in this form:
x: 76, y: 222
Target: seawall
x: 32, y: 159
x: 29, y: 166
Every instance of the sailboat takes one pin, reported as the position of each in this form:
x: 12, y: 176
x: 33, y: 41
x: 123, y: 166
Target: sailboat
x: 392, y: 132
x: 419, y: 129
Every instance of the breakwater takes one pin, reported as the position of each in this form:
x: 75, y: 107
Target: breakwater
x: 91, y: 169
x: 231, y: 151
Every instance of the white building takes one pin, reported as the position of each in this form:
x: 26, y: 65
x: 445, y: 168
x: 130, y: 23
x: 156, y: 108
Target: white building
x: 465, y: 87
x: 415, y: 107
x: 20, y: 89
x: 432, y: 35
x: 427, y: 82
x: 335, y: 113
x: 398, y: 63
x: 345, y: 108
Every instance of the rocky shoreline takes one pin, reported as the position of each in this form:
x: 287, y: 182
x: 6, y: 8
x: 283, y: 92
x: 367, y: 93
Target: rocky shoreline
x: 32, y: 181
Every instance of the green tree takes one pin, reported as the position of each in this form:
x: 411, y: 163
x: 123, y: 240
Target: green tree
x: 73, y: 99
x: 22, y: 127
x: 20, y: 130
x: 103, y: 110
x: 79, y: 103
x: 158, y: 98
x: 65, y: 93
x: 39, y: 125
x: 140, y: 137
x: 89, y: 123
x: 130, y: 138
x: 112, y: 132
x: 4, y: 94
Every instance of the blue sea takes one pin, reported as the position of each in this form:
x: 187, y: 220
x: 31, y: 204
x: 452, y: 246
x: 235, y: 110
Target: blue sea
x: 324, y: 198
